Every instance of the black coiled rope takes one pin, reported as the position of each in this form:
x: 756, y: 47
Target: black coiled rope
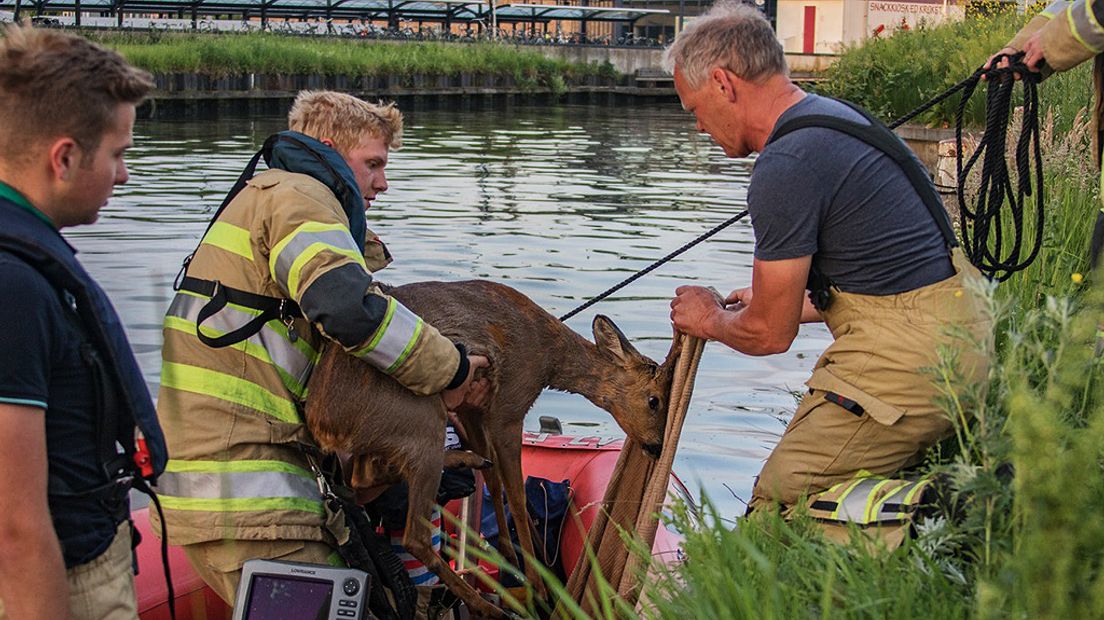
x: 984, y: 240
x: 982, y: 230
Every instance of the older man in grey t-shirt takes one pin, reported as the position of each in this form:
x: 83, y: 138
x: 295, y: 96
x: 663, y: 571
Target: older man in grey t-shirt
x: 839, y: 215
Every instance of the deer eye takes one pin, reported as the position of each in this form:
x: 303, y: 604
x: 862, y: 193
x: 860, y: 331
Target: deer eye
x: 653, y: 403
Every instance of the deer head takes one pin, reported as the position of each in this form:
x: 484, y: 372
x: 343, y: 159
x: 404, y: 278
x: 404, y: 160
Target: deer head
x: 636, y: 389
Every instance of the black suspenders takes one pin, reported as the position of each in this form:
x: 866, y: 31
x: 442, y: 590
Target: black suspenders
x: 878, y: 136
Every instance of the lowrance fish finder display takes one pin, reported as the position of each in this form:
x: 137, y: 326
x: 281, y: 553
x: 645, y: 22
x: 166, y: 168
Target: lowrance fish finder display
x: 289, y: 597
x: 272, y: 590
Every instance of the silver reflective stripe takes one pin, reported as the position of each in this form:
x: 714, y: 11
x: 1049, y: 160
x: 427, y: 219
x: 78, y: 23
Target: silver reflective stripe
x: 900, y: 503
x: 1055, y: 8
x: 1084, y: 25
x: 340, y: 240
x: 283, y: 354
x: 394, y: 339
x: 236, y: 485
x: 853, y: 507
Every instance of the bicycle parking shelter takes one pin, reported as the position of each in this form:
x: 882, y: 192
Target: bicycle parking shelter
x: 393, y: 12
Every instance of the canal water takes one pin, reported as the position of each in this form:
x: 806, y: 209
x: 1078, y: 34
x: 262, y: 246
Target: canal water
x: 560, y: 202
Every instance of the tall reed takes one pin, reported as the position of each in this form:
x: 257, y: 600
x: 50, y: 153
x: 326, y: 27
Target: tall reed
x: 228, y: 54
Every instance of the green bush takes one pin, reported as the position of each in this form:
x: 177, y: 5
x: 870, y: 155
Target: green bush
x: 891, y: 76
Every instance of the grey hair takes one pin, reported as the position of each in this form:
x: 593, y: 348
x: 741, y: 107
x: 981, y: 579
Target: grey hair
x: 732, y: 36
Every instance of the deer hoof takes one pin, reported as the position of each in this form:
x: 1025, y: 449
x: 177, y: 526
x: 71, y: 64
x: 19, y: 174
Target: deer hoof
x: 486, y: 464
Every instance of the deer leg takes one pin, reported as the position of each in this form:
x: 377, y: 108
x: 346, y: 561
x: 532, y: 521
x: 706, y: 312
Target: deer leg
x: 505, y: 544
x: 481, y: 444
x: 508, y: 457
x: 461, y: 459
x: 418, y: 538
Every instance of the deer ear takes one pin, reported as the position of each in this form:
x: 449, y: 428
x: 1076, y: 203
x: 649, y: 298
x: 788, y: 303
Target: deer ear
x: 672, y: 354
x: 610, y: 339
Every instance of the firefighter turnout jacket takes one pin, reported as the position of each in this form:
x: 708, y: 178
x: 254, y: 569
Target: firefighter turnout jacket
x: 233, y: 415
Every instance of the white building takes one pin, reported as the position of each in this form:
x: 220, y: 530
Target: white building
x: 824, y: 26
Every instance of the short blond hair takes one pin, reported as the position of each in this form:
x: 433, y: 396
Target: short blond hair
x: 344, y: 119
x: 54, y: 84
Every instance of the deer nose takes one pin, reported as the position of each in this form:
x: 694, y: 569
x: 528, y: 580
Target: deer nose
x: 654, y: 450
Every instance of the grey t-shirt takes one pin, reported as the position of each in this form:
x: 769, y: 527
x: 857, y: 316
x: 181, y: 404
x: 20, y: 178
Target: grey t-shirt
x: 820, y: 192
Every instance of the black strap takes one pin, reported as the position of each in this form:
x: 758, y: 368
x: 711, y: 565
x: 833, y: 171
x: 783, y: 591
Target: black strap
x: 878, y: 136
x: 248, y: 173
x: 270, y: 308
x: 372, y: 553
x: 142, y: 486
x: 243, y: 178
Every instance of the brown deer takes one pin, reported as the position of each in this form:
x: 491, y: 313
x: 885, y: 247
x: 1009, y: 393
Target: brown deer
x: 355, y: 409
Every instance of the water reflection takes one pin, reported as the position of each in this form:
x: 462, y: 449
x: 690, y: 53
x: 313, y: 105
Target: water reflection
x: 560, y: 202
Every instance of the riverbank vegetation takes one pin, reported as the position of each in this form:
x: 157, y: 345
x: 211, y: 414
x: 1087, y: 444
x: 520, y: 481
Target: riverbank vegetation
x: 1020, y: 534
x: 219, y: 55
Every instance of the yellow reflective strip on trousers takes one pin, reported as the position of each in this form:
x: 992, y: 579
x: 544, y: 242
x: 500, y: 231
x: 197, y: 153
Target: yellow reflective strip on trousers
x: 843, y: 495
x: 305, y: 257
x: 247, y: 504
x: 879, y: 507
x: 381, y: 330
x: 230, y: 238
x: 229, y: 388
x: 180, y: 467
x: 409, y: 347
x: 871, y: 502
x: 249, y: 348
x: 912, y: 493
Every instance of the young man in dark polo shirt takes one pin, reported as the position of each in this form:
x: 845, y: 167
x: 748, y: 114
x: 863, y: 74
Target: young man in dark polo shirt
x: 71, y: 393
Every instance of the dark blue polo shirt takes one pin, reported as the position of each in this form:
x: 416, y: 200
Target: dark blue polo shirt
x: 41, y: 366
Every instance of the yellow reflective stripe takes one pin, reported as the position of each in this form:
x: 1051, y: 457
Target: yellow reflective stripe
x: 1092, y: 16
x: 236, y: 485
x: 246, y: 346
x: 912, y: 493
x: 275, y: 325
x: 230, y: 238
x: 229, y: 388
x: 314, y: 249
x: 1073, y: 30
x: 394, y: 339
x: 381, y: 330
x: 872, y: 502
x: 843, y: 495
x: 244, y: 504
x: 1054, y: 8
x: 409, y: 347
x: 285, y: 256
x: 180, y: 467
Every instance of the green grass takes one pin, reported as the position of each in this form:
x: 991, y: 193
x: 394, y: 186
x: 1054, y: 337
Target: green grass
x: 893, y: 75
x: 231, y: 54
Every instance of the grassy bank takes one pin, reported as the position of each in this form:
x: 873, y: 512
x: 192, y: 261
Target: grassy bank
x: 230, y: 54
x: 893, y: 75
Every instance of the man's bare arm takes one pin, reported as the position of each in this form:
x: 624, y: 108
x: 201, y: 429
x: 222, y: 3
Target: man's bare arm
x: 766, y: 323
x: 32, y: 572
